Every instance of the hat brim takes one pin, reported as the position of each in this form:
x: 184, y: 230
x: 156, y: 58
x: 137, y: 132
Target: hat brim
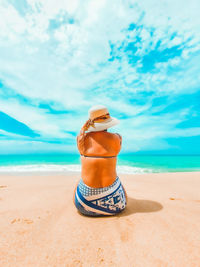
x: 101, y: 126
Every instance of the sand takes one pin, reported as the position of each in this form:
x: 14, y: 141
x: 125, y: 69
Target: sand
x: 39, y: 225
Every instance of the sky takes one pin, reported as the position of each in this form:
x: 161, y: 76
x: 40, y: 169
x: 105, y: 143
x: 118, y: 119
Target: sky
x: 139, y: 58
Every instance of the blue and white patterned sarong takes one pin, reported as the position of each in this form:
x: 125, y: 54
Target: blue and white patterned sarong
x: 108, y: 200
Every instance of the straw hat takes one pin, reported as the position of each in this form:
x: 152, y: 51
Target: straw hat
x: 100, y: 119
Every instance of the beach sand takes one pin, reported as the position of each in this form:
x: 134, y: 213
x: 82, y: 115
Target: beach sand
x: 39, y: 225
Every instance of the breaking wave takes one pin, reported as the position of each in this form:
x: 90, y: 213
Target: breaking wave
x: 66, y: 168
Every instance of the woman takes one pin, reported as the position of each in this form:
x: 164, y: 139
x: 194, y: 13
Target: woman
x: 100, y: 191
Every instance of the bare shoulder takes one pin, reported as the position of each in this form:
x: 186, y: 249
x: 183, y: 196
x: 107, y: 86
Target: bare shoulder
x: 79, y: 136
x: 103, y: 134
x: 115, y: 137
x: 120, y: 137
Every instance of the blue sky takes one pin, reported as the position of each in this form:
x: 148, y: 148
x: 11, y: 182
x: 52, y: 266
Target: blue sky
x: 139, y: 58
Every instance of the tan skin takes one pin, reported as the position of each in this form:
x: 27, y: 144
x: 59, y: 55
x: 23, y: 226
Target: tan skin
x: 99, y: 172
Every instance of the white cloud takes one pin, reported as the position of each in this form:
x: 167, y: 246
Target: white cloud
x: 19, y: 146
x: 35, y: 118
x: 167, y: 18
x: 147, y: 131
x: 68, y: 66
x: 9, y: 135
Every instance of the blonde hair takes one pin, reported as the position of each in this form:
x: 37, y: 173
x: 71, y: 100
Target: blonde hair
x: 86, y: 126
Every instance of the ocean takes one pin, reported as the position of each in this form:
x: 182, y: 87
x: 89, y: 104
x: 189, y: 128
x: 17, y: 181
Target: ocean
x: 129, y: 164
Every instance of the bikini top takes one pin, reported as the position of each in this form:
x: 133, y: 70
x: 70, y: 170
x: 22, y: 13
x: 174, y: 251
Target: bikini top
x: 98, y: 156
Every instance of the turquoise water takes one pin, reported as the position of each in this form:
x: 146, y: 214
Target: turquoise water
x: 126, y: 163
x: 10, y: 160
x: 163, y: 163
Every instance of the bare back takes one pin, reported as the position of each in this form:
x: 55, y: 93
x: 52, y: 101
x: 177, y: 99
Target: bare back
x: 99, y: 172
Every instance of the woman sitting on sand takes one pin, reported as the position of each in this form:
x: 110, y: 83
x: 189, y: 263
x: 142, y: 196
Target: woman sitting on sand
x: 99, y: 192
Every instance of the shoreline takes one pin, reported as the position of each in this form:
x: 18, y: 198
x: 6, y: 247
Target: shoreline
x: 76, y: 168
x: 129, y: 164
x: 31, y: 173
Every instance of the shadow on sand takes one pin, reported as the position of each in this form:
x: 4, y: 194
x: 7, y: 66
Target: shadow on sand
x: 134, y: 206
x: 140, y: 205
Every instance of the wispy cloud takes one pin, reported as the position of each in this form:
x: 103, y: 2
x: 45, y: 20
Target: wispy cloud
x: 136, y: 57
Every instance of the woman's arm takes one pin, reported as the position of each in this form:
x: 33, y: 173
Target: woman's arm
x: 81, y: 137
x: 120, y: 137
x: 81, y: 143
x: 120, y: 140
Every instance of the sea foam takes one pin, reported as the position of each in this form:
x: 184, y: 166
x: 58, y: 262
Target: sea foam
x: 66, y: 168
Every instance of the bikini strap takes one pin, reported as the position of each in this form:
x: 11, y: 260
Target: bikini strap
x: 98, y: 156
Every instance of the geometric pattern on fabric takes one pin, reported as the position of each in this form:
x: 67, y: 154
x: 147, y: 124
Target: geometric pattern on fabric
x: 88, y: 191
x: 104, y: 201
